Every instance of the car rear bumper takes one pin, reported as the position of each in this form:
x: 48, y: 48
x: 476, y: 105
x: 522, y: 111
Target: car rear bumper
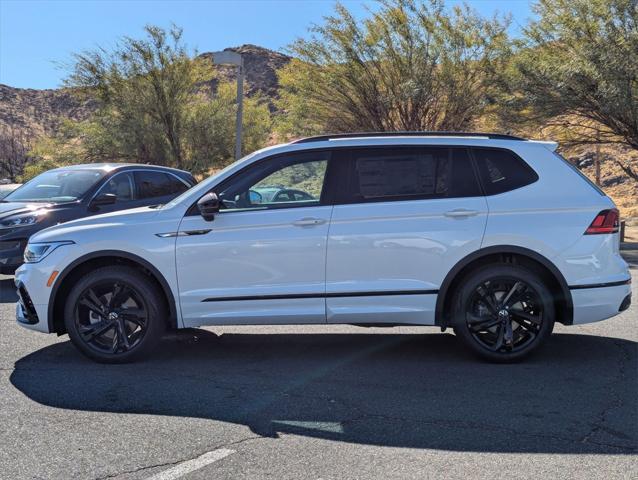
x: 600, y: 302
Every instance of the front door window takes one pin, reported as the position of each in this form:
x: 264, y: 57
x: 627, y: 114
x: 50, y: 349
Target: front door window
x: 284, y: 182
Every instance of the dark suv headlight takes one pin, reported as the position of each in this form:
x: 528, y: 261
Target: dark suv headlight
x: 22, y: 220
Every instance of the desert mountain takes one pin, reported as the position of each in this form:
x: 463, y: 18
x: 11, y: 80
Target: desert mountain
x: 27, y: 113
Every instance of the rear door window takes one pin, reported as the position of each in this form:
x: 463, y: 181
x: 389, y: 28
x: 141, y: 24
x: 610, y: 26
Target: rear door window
x: 157, y: 184
x: 378, y: 175
x: 502, y: 170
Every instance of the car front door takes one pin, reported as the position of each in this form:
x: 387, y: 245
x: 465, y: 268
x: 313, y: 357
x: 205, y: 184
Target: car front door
x: 402, y: 219
x: 262, y: 258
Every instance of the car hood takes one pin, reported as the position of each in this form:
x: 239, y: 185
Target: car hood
x: 13, y: 208
x: 118, y: 219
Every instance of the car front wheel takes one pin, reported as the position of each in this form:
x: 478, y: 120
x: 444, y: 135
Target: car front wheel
x: 503, y: 312
x: 115, y: 315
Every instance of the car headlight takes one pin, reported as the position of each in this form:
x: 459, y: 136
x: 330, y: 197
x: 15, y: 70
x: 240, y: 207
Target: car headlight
x: 23, y: 220
x: 37, y: 251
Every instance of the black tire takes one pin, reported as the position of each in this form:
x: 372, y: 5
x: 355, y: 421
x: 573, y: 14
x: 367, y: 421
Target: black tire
x: 119, y: 305
x: 503, y: 312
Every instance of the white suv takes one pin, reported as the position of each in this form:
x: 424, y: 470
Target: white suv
x: 495, y: 236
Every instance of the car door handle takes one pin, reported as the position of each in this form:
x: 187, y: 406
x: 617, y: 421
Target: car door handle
x: 460, y: 213
x: 308, y: 222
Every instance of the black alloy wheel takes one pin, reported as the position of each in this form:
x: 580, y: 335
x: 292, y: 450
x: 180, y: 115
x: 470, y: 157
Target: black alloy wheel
x: 111, y: 317
x: 115, y: 314
x: 503, y: 312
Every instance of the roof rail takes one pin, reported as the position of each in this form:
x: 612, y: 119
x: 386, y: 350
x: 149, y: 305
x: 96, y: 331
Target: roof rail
x: 335, y: 136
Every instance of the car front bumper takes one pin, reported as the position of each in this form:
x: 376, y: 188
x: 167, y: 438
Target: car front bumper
x: 31, y: 309
x: 11, y: 255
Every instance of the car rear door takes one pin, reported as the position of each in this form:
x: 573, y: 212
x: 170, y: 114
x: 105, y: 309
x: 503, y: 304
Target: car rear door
x: 402, y: 219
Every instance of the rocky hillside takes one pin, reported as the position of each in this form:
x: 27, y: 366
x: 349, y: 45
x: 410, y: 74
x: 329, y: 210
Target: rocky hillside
x: 260, y: 65
x: 27, y: 113
x: 36, y: 112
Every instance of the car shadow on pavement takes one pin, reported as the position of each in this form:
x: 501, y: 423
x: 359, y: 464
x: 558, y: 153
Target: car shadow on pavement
x: 578, y: 395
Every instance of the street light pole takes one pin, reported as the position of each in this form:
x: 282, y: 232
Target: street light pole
x: 240, y: 108
x: 228, y: 57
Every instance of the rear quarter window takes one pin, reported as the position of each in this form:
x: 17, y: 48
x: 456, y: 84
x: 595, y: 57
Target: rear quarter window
x: 502, y: 170
x: 580, y: 174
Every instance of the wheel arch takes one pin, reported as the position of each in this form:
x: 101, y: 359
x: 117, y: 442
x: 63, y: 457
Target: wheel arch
x: 508, y: 254
x: 94, y: 260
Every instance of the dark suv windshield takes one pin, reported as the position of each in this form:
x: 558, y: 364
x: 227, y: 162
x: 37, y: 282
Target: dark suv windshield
x: 56, y: 186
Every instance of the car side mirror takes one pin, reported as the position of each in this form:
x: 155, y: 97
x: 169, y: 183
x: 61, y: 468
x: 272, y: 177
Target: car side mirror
x: 208, y: 206
x: 102, y: 200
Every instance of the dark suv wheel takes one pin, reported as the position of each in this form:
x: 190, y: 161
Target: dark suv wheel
x: 503, y: 312
x: 115, y: 315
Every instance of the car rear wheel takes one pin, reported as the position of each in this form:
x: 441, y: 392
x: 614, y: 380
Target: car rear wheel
x: 115, y: 315
x: 503, y: 312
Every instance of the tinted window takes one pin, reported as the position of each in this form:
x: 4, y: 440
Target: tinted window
x: 157, y: 184
x: 410, y: 173
x: 120, y: 185
x: 294, y: 180
x: 502, y: 170
x: 177, y: 186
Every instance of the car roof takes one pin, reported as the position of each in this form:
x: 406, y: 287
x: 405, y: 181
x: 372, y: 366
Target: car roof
x: 109, y: 167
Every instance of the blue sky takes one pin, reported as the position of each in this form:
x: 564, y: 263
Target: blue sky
x: 38, y: 35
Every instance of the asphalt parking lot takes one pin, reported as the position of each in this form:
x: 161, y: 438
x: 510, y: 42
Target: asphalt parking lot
x: 322, y: 403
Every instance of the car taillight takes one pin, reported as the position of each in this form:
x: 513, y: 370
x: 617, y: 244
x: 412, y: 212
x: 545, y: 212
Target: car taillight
x: 606, y: 221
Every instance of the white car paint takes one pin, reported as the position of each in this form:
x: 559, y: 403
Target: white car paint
x: 252, y: 254
x: 378, y: 247
x: 398, y: 246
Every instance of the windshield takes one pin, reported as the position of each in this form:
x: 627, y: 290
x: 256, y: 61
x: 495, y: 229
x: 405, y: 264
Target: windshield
x: 56, y: 186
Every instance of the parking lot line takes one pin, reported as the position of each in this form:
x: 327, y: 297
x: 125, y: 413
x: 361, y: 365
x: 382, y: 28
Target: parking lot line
x: 192, y: 465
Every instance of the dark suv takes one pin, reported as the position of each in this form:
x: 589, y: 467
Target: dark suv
x: 68, y: 193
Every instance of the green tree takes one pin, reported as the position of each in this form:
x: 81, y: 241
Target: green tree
x: 410, y: 66
x: 210, y: 126
x: 144, y: 89
x: 153, y: 106
x: 65, y: 148
x: 577, y: 68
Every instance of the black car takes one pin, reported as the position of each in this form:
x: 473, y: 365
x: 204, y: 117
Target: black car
x: 78, y: 191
